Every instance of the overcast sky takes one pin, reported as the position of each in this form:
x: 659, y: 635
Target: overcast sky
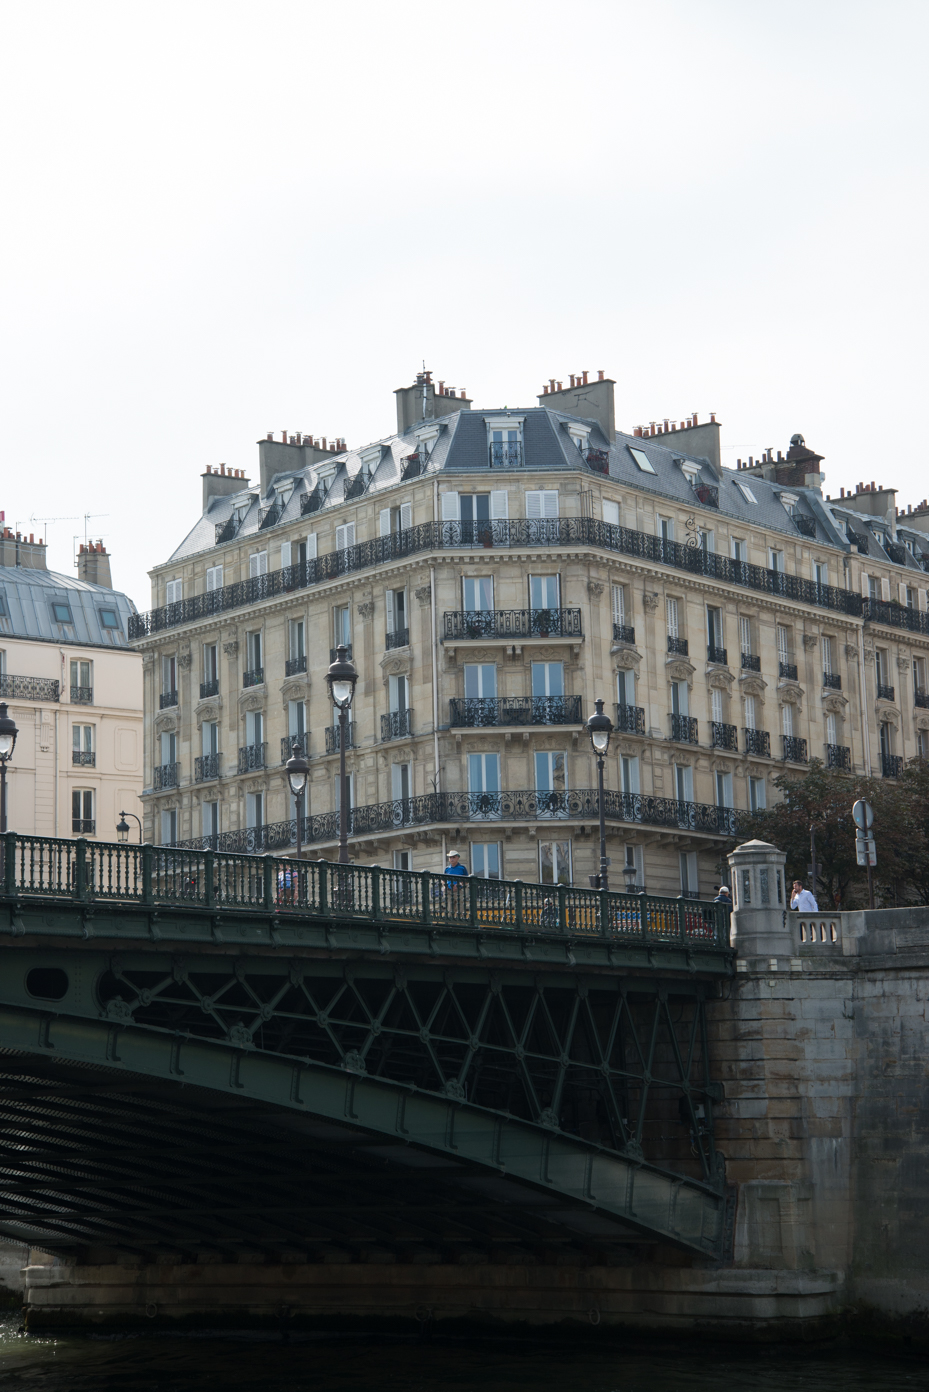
x: 223, y: 219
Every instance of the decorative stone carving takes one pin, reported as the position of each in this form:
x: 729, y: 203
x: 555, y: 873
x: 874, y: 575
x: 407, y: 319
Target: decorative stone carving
x: 809, y: 641
x: 148, y: 659
x: 424, y: 595
x: 231, y: 648
x: 627, y: 660
x: 851, y: 651
x: 366, y: 610
x: 594, y: 589
x: 650, y: 601
x: 835, y: 703
x: 294, y: 690
x: 887, y: 715
x: 868, y: 652
x: 206, y: 714
x: 252, y: 703
x: 394, y: 665
x: 903, y: 662
x: 753, y: 686
x: 789, y: 696
x: 922, y: 721
x: 183, y: 661
x: 720, y: 677
x: 165, y: 724
x: 681, y: 671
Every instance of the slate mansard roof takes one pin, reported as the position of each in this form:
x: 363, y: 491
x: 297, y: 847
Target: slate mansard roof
x: 28, y: 597
x: 461, y: 448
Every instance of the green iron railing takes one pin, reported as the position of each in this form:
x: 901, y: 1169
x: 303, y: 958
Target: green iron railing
x: 82, y: 871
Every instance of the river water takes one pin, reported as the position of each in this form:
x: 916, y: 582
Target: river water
x: 313, y: 1365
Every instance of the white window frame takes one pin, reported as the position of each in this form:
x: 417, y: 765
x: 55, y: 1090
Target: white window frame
x: 257, y: 564
x: 642, y: 460
x: 214, y: 578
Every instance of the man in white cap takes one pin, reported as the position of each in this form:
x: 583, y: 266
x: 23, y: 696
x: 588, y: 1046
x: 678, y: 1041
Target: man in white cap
x: 454, y: 866
x: 456, y: 903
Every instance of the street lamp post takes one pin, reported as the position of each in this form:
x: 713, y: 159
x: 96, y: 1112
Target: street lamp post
x: 122, y: 827
x: 600, y: 727
x: 297, y: 770
x: 8, y: 733
x: 341, y: 679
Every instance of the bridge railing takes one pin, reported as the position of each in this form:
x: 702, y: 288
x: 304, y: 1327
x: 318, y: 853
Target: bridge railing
x: 84, y: 871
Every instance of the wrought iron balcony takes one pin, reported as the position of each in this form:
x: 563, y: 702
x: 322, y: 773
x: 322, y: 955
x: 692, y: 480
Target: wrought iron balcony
x: 480, y: 712
x: 677, y: 645
x: 513, y: 623
x: 839, y: 756
x: 834, y: 681
x: 623, y: 633
x: 794, y: 749
x: 166, y: 699
x: 287, y: 746
x: 206, y: 767
x: 396, y: 724
x: 883, y: 611
x: 787, y: 671
x: 166, y: 776
x: 891, y: 765
x: 921, y: 698
x: 226, y: 531
x: 724, y: 736
x: 82, y: 695
x: 334, y: 737
x: 884, y: 693
x: 751, y: 662
x: 717, y: 655
x: 684, y: 729
x: 312, y: 501
x: 357, y: 486
x: 270, y: 516
x: 757, y: 742
x: 806, y: 526
x: 505, y: 456
x: 209, y: 688
x: 707, y: 493
x: 598, y: 460
x: 630, y: 720
x: 411, y: 466
x: 29, y: 688
x: 83, y: 826
x: 897, y: 552
x: 252, y: 756
x: 86, y: 757
x: 398, y: 639
x: 334, y: 653
x: 294, y: 665
x: 253, y: 678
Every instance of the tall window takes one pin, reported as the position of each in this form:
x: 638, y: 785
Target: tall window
x: 82, y: 744
x: 750, y: 719
x: 505, y: 447
x: 169, y: 675
x: 485, y: 859
x: 886, y: 738
x: 738, y: 549
x: 919, y: 676
x: 478, y: 595
x: 214, y: 578
x: 484, y: 773
x: 716, y: 705
x: 775, y: 560
x: 745, y: 636
x: 396, y: 611
x: 82, y: 680
x: 480, y: 679
x: 827, y: 656
x: 547, y: 679
x: 253, y: 649
x: 209, y: 736
x: 910, y: 597
x: 544, y: 592
x: 398, y: 692
x: 401, y: 782
x: 831, y: 736
x: 611, y: 512
x: 210, y: 662
x: 679, y: 698
x: 922, y: 744
x: 210, y: 818
x: 619, y: 605
x: 169, y: 826
x: 629, y: 773
x: 257, y: 564
x: 296, y: 639
x: 671, y: 616
x: 724, y: 790
x: 756, y: 794
x: 787, y: 720
x: 550, y: 776
x: 690, y: 882
x: 168, y: 746
x: 874, y: 587
x: 783, y: 644
x: 395, y: 519
x: 296, y: 721
x: 345, y: 536
x: 625, y: 687
x: 555, y: 862
x: 632, y: 860
x: 881, y: 667
x: 683, y: 783
x: 174, y: 591
x: 820, y: 572
x: 342, y: 625
x: 254, y: 728
x: 254, y: 810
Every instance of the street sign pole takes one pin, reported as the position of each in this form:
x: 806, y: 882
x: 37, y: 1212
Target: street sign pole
x: 863, y: 817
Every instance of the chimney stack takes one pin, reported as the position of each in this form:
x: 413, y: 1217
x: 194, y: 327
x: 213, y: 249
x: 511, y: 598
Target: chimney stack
x: 93, y: 565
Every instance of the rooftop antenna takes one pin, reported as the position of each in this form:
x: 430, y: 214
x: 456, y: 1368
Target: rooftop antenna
x: 425, y: 379
x: 87, y: 517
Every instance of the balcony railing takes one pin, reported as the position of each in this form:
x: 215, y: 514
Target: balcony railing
x: 357, y: 486
x: 513, y: 623
x: 599, y: 461
x: 757, y: 742
x: 398, y: 639
x: 85, y: 757
x: 334, y: 653
x: 884, y: 692
x: 883, y: 611
x: 252, y: 756
x: 480, y: 808
x: 294, y: 665
x: 506, y: 456
x: 833, y: 680
x: 839, y: 756
x: 83, y: 826
x: 897, y: 552
x: 891, y: 765
x: 684, y: 729
x: 921, y: 698
x: 480, y: 712
x: 623, y: 633
x: 270, y: 516
x: 29, y: 688
x: 287, y: 746
x: 751, y: 662
x: 253, y: 678
x: 166, y: 699
x: 334, y: 738
x: 677, y: 645
x: 787, y: 671
x: 794, y: 749
x: 396, y: 724
x: 717, y: 655
x: 82, y: 695
x: 630, y: 720
x: 209, y: 688
x: 523, y: 533
x: 226, y: 531
x: 707, y: 493
x: 166, y: 776
x: 724, y: 736
x: 410, y: 466
x: 806, y: 526
x: 312, y: 501
x: 206, y: 767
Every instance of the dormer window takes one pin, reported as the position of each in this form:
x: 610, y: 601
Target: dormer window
x: 426, y: 438
x: 789, y: 501
x: 746, y: 492
x: 370, y: 458
x: 580, y: 436
x: 504, y: 441
x: 642, y: 459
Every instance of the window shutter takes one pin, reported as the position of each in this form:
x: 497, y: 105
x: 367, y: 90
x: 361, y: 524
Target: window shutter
x: 499, y: 505
x: 865, y: 585
x: 549, y: 498
x: 406, y: 516
x: 787, y: 716
x: 214, y: 578
x: 781, y: 644
x: 173, y: 591
x: 345, y: 536
x: 716, y: 705
x: 885, y: 590
x: 534, y: 504
x: 671, y: 608
x: 619, y: 605
x: 311, y: 547
x: 902, y: 589
x: 745, y: 635
x: 383, y: 528
x: 258, y: 563
x: 827, y: 654
x: 611, y: 512
x: 285, y: 554
x: 391, y: 612
x: 450, y: 508
x: 750, y: 712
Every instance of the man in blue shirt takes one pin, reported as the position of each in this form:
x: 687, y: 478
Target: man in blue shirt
x: 454, y: 866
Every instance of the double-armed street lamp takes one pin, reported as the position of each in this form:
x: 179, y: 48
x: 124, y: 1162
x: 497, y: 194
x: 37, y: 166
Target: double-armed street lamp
x: 122, y: 827
x: 297, y: 770
x: 341, y: 679
x: 8, y: 733
x: 600, y: 727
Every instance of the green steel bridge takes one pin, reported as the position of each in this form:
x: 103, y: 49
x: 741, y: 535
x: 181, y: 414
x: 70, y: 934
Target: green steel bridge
x: 224, y: 1056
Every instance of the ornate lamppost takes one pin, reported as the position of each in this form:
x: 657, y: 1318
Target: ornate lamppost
x: 297, y: 770
x: 122, y: 827
x: 8, y: 733
x: 600, y: 727
x: 341, y: 679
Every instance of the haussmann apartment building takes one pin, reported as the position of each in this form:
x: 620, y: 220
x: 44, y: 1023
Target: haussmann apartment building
x: 492, y: 572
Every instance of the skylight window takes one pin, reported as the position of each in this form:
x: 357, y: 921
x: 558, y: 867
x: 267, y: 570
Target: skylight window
x: 746, y: 492
x: 642, y: 459
x: 61, y: 612
x: 109, y: 618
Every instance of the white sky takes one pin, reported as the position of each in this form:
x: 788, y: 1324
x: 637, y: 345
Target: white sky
x: 221, y: 219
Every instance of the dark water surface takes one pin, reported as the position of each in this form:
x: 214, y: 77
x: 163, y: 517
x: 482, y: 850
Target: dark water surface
x: 311, y: 1365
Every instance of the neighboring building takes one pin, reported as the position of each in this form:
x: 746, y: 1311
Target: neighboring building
x: 74, y: 688
x: 493, y: 572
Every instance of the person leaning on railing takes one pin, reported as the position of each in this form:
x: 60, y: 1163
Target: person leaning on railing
x: 454, y: 872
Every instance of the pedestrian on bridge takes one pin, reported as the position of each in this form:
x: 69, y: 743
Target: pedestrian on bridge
x: 803, y: 900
